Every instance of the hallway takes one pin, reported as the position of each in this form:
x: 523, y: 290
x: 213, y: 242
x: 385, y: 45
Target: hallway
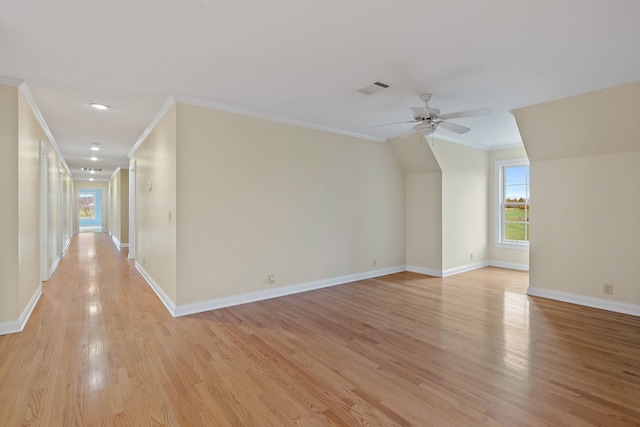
x: 100, y: 349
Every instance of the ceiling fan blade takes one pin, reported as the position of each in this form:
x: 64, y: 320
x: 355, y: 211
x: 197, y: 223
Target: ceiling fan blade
x: 395, y: 123
x: 470, y: 113
x: 421, y: 112
x: 454, y: 127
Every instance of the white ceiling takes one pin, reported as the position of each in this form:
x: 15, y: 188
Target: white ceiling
x: 303, y: 61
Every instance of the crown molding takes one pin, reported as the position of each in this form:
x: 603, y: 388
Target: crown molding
x: 154, y: 122
x: 507, y: 146
x: 115, y: 172
x: 258, y: 115
x: 24, y: 89
x: 8, y: 81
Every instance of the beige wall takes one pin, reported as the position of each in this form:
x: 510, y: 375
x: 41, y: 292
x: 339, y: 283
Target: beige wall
x: 119, y: 206
x: 30, y: 135
x: 423, y: 202
x: 258, y: 197
x: 584, y: 179
x: 518, y: 257
x: 124, y: 206
x: 584, y: 229
x: 155, y: 161
x: 465, y: 203
x: 424, y: 220
x: 9, y: 237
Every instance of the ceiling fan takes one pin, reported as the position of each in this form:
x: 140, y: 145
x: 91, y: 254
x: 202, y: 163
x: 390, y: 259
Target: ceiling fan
x: 429, y: 119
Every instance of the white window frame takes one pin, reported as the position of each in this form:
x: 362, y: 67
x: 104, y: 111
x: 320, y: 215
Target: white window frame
x: 499, y: 166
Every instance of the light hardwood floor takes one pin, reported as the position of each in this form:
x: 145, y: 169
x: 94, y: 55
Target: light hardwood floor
x: 404, y: 349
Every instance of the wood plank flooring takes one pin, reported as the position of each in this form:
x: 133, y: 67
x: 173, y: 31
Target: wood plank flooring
x: 401, y: 350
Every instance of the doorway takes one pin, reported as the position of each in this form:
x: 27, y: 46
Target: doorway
x: 90, y: 210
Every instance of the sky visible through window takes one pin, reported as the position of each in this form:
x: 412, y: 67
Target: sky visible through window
x: 516, y: 182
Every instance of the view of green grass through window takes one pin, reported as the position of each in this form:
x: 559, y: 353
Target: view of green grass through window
x: 516, y: 203
x: 87, y: 205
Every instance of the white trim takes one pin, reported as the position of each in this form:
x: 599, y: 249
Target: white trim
x: 507, y: 146
x: 117, y: 242
x: 465, y: 268
x: 213, y: 304
x: 66, y: 247
x: 154, y: 122
x: 8, y: 81
x: 53, y: 267
x: 132, y: 210
x: 509, y: 265
x: 259, y: 115
x: 602, y: 304
x: 168, y: 303
x: 115, y: 172
x: 14, y: 326
x: 498, y: 167
x: 423, y: 270
x: 36, y: 111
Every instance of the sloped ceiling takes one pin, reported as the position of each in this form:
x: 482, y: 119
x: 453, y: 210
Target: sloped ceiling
x: 600, y: 122
x: 303, y: 62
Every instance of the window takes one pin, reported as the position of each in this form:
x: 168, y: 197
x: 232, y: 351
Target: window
x: 512, y: 203
x: 86, y: 202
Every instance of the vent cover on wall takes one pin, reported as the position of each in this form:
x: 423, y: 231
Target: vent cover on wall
x: 91, y: 169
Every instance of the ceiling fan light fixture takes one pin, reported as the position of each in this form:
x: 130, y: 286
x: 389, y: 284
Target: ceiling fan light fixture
x: 425, y: 128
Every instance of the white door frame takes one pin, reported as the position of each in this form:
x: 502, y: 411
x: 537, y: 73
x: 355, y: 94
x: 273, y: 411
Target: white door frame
x: 60, y: 212
x: 132, y: 210
x: 44, y: 212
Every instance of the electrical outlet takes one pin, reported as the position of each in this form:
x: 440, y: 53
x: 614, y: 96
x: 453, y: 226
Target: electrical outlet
x: 374, y: 262
x: 271, y: 279
x: 607, y: 288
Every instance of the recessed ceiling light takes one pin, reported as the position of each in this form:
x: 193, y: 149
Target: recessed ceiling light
x: 98, y: 106
x: 93, y: 159
x: 94, y: 147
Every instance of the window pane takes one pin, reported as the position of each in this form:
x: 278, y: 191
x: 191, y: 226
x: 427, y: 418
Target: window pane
x: 515, y: 203
x: 516, y: 221
x: 86, y: 206
x: 516, y: 193
x: 515, y: 175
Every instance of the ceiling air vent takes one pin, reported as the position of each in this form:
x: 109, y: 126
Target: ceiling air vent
x: 91, y: 169
x: 373, y: 88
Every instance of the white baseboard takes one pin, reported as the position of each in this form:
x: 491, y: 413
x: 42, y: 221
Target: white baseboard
x: 53, y: 267
x: 465, y: 268
x: 602, y: 304
x: 213, y: 304
x: 166, y: 300
x: 423, y: 270
x: 118, y: 243
x: 15, y: 326
x: 66, y: 247
x: 509, y: 265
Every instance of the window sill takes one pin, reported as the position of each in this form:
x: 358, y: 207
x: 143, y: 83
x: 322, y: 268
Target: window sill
x: 512, y: 245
